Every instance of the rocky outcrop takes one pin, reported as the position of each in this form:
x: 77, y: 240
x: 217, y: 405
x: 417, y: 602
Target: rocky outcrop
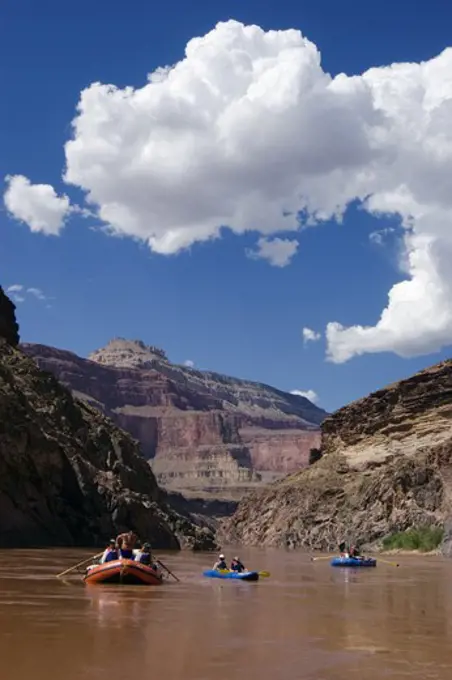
x: 9, y: 328
x: 386, y: 466
x: 203, y: 433
x: 68, y: 475
x: 203, y: 511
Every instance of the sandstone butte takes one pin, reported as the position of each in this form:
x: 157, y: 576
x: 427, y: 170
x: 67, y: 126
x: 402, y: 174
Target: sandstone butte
x: 205, y: 434
x: 68, y: 474
x: 385, y: 467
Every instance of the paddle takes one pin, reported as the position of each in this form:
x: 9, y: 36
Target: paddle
x: 324, y: 557
x: 393, y: 564
x: 169, y: 572
x: 263, y: 574
x: 80, y: 564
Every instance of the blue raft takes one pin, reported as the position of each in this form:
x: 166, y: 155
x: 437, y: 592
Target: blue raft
x: 244, y: 576
x: 353, y: 562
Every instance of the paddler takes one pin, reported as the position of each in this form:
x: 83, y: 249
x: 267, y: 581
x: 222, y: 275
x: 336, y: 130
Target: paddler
x: 355, y: 552
x: 110, y: 552
x: 144, y: 555
x: 236, y: 565
x: 126, y: 543
x: 344, y: 550
x: 220, y: 563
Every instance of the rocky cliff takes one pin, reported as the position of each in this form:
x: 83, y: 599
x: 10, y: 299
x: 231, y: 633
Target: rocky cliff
x: 203, y: 433
x: 386, y: 466
x: 68, y: 475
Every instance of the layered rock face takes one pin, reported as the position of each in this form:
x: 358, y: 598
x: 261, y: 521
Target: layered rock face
x: 386, y: 466
x: 203, y: 433
x: 68, y: 475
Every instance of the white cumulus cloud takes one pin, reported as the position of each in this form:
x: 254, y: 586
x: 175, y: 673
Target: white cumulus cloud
x: 310, y: 336
x: 189, y: 363
x: 308, y: 394
x: 247, y: 131
x: 240, y: 133
x: 36, y: 204
x: 277, y: 251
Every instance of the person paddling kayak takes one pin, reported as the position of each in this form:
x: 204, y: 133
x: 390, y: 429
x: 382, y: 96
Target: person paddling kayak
x: 355, y: 552
x: 344, y: 550
x: 236, y: 565
x: 350, y: 552
x: 220, y: 563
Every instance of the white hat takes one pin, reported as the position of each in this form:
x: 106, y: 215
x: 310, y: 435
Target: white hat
x: 222, y: 557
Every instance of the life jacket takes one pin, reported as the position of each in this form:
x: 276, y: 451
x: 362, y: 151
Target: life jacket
x: 111, y: 555
x: 143, y: 558
x: 237, y: 566
x: 222, y: 565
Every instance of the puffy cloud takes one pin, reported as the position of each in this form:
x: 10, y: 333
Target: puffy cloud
x: 241, y: 133
x: 307, y: 394
x: 310, y: 336
x: 36, y: 204
x: 418, y: 316
x: 416, y: 100
x: 189, y: 363
x: 248, y: 132
x: 277, y: 251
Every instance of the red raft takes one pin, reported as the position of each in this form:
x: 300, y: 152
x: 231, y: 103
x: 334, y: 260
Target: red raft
x: 125, y: 572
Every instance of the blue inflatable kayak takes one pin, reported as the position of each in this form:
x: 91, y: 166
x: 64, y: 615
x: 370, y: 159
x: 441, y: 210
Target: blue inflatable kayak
x: 353, y: 562
x: 244, y: 576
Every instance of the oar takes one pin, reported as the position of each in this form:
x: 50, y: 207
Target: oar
x: 263, y: 574
x: 324, y: 557
x: 393, y: 564
x: 80, y: 564
x: 169, y: 572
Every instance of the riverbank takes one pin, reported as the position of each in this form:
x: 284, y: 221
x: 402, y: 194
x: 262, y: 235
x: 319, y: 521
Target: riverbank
x: 400, y: 551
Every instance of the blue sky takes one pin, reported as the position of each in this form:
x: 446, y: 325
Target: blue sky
x: 212, y: 303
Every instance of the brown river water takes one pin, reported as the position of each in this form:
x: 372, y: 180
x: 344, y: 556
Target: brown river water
x: 307, y: 621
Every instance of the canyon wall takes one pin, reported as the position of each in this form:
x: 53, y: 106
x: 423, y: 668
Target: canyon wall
x: 204, y: 433
x: 385, y: 466
x: 68, y: 475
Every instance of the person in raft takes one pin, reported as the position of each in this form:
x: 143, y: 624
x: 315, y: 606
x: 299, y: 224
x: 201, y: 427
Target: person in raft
x: 355, y: 552
x: 126, y: 543
x: 236, y: 565
x: 352, y: 551
x: 344, y: 550
x: 220, y: 563
x: 110, y: 553
x: 144, y: 555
